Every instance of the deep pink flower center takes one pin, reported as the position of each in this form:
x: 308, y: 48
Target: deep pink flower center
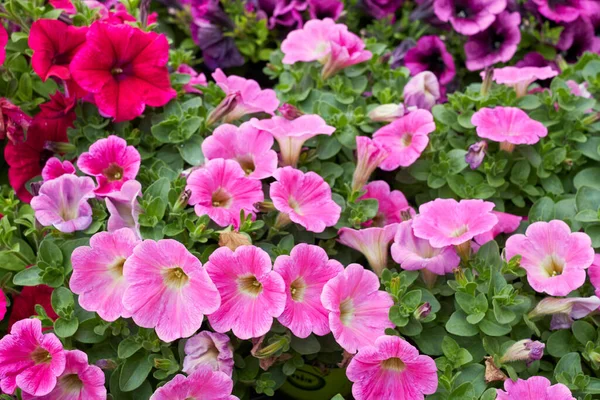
x: 393, y: 364
x: 249, y: 285
x: 41, y: 356
x: 221, y: 198
x: 71, y: 383
x: 553, y: 265
x: 297, y: 289
x: 114, y: 172
x: 175, y: 277
x: 120, y: 72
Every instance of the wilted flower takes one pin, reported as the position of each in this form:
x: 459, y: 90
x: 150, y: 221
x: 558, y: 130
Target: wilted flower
x: 208, y: 349
x: 524, y: 350
x: 534, y: 388
x: 422, y: 91
x: 233, y: 239
x: 369, y: 155
x: 14, y: 123
x: 476, y: 154
x: 496, y: 44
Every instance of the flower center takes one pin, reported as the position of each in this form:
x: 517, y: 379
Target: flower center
x: 394, y: 364
x: 175, y: 277
x: 114, y: 172
x: 406, y: 139
x: 458, y: 232
x: 294, y: 205
x: 297, y: 289
x: 553, y: 265
x: 71, y: 383
x: 247, y: 164
x: 250, y: 285
x: 41, y: 356
x: 221, y: 198
x: 117, y: 267
x: 346, y: 311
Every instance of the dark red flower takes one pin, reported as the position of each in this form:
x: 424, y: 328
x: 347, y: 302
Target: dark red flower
x: 13, y: 121
x: 23, y: 304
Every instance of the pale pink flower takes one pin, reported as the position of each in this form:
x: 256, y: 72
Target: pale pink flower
x: 413, y: 253
x: 55, y: 168
x: 369, y: 155
x: 305, y: 271
x: 245, y: 144
x: 168, y: 289
x: 405, y: 138
x: 220, y: 189
x: 98, y: 273
x: 63, y: 203
x: 29, y: 359
x: 387, y: 112
x: 196, y: 79
x: 78, y: 381
x: 373, y: 243
x: 305, y: 198
x: 392, y: 368
x: 579, y: 89
x: 203, y: 384
x: 422, y: 91
x: 507, y: 223
x: 520, y: 78
x: 508, y: 125
x: 347, y: 49
x: 208, y: 349
x: 564, y: 311
x: 112, y: 162
x: 124, y: 207
x: 312, y: 42
x: 252, y: 293
x: 393, y: 206
x: 291, y: 134
x: 534, y: 388
x: 358, y: 310
x: 446, y: 222
x: 555, y: 258
x: 594, y: 273
x: 250, y: 99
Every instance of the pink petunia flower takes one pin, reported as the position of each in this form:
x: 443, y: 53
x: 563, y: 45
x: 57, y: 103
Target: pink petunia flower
x: 3, y: 43
x: 565, y: 311
x: 112, y: 162
x: 507, y: 223
x: 168, y: 289
x: 63, y: 203
x: 312, y: 42
x: 247, y: 95
x: 245, y: 144
x: 373, y: 243
x: 305, y: 271
x: 291, y: 134
x: 594, y: 273
x: 124, y: 208
x: 447, y: 222
x: 196, y: 79
x: 347, y: 49
x: 534, y: 388
x: 304, y: 198
x: 54, y: 45
x: 520, y: 78
x: 391, y: 368
x: 125, y: 68
x: 220, y: 189
x: 413, y: 253
x: 561, y: 11
x: 98, y: 273
x: 509, y: 126
x: 369, y: 155
x: 252, y: 293
x: 55, y: 168
x: 29, y: 359
x: 204, y: 384
x: 555, y: 258
x: 422, y: 91
x: 358, y: 310
x: 405, y: 139
x: 468, y: 17
x: 78, y: 381
x: 208, y: 349
x: 393, y: 206
x: 3, y: 305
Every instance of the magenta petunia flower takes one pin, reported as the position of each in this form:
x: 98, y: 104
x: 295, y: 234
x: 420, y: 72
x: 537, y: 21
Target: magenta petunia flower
x: 430, y: 54
x: 413, y: 253
x: 29, y: 359
x: 291, y: 134
x: 534, y: 388
x: 55, y: 168
x: 245, y: 144
x: 63, y: 203
x: 347, y: 49
x: 594, y: 273
x: 312, y: 42
x: 369, y: 155
x: 405, y: 139
x: 373, y: 243
x: 576, y: 38
x: 509, y: 126
x: 242, y: 96
x: 112, y: 162
x: 252, y: 293
x: 168, y: 289
x: 196, y: 79
x: 14, y: 123
x: 555, y: 258
x: 305, y: 271
x: 507, y: 223
x: 521, y: 78
x: 208, y: 349
x: 78, y: 381
x: 220, y: 189
x: 98, y: 273
x: 498, y: 43
x: 3, y: 43
x: 358, y: 310
x: 565, y: 311
x: 3, y: 305
x: 447, y: 222
x: 125, y: 68
x: 124, y: 208
x: 203, y: 384
x: 422, y: 91
x: 468, y: 17
x: 392, y: 368
x: 305, y: 198
x: 561, y: 10
x: 393, y: 206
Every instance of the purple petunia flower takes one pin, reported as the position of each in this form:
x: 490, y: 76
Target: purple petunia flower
x: 577, y: 38
x: 430, y: 54
x: 381, y: 8
x: 469, y: 16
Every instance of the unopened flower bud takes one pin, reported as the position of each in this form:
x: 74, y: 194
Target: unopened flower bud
x: 422, y: 311
x: 163, y: 363
x: 227, y: 105
x: 59, y: 147
x: 524, y: 350
x: 289, y: 111
x: 369, y: 155
x: 387, y: 112
x: 486, y: 85
x: 183, y: 200
x: 106, y: 364
x: 475, y: 154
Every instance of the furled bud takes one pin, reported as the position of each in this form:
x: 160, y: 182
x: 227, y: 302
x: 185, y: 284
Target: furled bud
x: 524, y: 350
x: 289, y: 111
x: 227, y: 105
x: 387, y: 112
x: 422, y: 91
x: 475, y: 154
x: 422, y: 311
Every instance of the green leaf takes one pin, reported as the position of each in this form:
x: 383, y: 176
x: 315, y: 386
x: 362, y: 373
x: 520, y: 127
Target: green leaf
x: 191, y: 151
x: 490, y: 326
x: 310, y: 345
x: 62, y: 298
x: 542, y: 210
x: 584, y: 332
x: 458, y: 325
x: 587, y: 177
x: 28, y: 277
x: 50, y: 253
x: 569, y: 363
x: 128, y: 347
x: 560, y: 343
x: 85, y: 333
x: 64, y: 327
x: 529, y: 102
x: 135, y: 371
x: 587, y: 198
